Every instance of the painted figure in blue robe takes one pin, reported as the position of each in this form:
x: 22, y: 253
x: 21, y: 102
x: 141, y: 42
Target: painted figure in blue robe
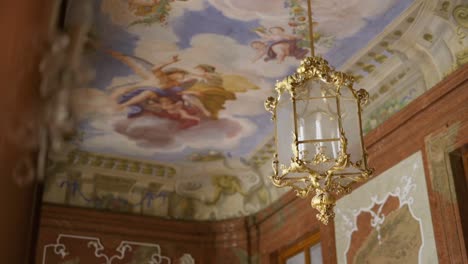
x: 157, y: 83
x: 168, y: 93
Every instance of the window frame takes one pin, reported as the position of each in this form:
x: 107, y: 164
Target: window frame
x: 302, y: 246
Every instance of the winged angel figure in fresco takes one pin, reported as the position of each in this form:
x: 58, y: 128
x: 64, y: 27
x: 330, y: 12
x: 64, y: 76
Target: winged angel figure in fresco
x: 150, y: 11
x: 174, y: 93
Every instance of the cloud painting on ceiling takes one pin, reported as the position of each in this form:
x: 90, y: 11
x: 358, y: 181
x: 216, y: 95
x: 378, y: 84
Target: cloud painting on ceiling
x: 175, y: 78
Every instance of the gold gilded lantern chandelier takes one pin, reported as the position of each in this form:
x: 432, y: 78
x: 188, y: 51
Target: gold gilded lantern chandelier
x: 318, y: 132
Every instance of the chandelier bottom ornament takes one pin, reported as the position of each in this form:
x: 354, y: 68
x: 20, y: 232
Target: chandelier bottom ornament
x: 324, y: 202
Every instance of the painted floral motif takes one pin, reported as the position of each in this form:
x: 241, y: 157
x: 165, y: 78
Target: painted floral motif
x: 150, y: 11
x: 298, y: 21
x: 387, y: 109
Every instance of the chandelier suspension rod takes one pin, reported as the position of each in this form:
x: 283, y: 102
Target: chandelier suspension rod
x: 311, y: 27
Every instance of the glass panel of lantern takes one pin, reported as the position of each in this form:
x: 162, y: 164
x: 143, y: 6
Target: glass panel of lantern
x: 349, y: 106
x: 285, y: 128
x: 318, y: 125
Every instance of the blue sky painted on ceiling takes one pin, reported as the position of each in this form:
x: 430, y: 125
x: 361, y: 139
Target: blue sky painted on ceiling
x: 211, y: 20
x: 345, y: 48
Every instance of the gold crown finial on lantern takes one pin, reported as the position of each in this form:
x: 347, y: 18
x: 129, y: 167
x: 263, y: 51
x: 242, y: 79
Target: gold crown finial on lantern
x: 318, y: 133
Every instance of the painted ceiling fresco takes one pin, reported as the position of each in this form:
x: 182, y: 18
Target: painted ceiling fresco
x: 179, y: 93
x: 177, y: 79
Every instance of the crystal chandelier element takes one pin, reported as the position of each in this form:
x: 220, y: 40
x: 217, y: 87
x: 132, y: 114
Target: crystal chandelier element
x: 318, y: 134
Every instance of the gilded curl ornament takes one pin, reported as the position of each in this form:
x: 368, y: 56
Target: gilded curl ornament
x: 460, y: 14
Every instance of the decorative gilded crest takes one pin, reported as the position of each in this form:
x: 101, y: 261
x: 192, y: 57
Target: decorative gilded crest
x: 314, y: 68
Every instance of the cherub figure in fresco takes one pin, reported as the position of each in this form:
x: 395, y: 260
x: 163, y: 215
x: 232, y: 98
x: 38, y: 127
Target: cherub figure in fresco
x: 208, y: 74
x: 159, y: 93
x: 209, y: 89
x: 172, y: 108
x: 214, y: 88
x: 193, y: 96
x: 224, y: 185
x: 157, y: 82
x: 276, y: 44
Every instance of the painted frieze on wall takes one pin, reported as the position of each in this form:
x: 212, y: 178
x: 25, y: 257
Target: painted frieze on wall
x: 74, y: 249
x: 232, y: 189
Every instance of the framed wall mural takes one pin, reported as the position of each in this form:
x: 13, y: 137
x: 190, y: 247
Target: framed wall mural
x: 387, y: 220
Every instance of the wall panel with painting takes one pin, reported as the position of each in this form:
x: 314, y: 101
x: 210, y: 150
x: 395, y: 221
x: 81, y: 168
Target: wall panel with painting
x: 415, y: 185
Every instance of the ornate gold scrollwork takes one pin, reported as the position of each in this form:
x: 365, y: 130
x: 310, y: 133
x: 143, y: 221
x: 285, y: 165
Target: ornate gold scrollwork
x: 462, y: 57
x: 314, y: 68
x: 460, y: 14
x: 320, y: 157
x: 363, y: 97
x: 324, y: 202
x: 275, y: 164
x: 270, y: 106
